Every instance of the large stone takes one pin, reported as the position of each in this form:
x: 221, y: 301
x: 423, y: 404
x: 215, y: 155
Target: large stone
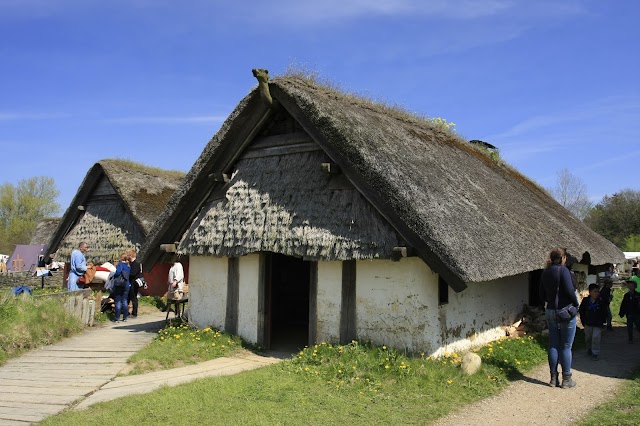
x: 471, y: 363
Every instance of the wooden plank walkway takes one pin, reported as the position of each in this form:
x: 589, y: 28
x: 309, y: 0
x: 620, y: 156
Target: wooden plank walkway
x: 44, y: 382
x: 144, y: 383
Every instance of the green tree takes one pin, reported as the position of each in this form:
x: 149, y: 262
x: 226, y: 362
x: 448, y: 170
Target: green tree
x: 21, y: 208
x: 632, y: 243
x: 616, y: 217
x: 571, y: 192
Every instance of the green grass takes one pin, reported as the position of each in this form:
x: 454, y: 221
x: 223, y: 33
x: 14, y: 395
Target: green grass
x: 618, y: 294
x: 180, y: 345
x: 623, y: 410
x: 326, y: 384
x: 28, y: 322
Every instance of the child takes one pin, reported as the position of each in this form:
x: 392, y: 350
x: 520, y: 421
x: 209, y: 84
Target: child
x: 607, y: 296
x: 630, y: 307
x: 593, y: 316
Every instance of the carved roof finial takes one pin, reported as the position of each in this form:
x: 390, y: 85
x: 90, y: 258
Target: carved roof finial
x: 263, y: 84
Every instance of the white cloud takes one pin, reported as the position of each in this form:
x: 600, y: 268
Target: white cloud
x: 298, y: 12
x: 324, y: 11
x: 603, y: 113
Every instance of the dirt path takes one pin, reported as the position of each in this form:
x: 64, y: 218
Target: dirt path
x: 531, y: 402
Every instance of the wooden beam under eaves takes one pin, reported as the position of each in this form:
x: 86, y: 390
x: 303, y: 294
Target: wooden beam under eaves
x: 331, y: 168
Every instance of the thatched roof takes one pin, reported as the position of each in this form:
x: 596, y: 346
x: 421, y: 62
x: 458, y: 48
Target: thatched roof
x: 114, y: 208
x: 471, y: 218
x: 45, y: 230
x: 286, y: 204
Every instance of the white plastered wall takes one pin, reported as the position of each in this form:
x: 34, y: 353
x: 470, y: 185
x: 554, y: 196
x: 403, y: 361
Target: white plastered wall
x: 207, y: 291
x: 329, y: 301
x: 248, y: 297
x: 397, y: 304
x: 476, y: 315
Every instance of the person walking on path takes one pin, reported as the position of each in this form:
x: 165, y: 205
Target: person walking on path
x: 121, y: 292
x: 136, y: 272
x: 78, y: 266
x: 556, y: 289
x: 593, y: 316
x: 630, y: 307
x: 606, y: 293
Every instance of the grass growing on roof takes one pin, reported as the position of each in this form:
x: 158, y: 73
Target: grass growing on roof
x: 324, y: 384
x: 313, y: 77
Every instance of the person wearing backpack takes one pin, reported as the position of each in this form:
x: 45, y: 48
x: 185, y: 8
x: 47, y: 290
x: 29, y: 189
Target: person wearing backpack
x: 121, y: 288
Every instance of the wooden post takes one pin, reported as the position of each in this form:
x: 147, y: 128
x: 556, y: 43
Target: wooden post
x: 348, y: 309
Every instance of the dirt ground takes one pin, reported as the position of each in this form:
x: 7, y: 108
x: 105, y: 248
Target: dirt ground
x: 531, y: 401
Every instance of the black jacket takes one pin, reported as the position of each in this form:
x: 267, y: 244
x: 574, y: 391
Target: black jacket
x: 553, y: 278
x: 136, y: 272
x: 630, y: 304
x: 593, y: 313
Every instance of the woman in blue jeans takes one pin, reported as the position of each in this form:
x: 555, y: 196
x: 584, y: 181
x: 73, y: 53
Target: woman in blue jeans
x: 556, y: 289
x: 121, y: 294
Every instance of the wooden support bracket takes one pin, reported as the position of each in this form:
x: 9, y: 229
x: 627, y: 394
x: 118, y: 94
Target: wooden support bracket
x: 331, y: 168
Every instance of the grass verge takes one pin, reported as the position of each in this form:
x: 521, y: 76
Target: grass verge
x: 355, y: 383
x: 28, y: 322
x: 179, y: 345
x: 623, y: 410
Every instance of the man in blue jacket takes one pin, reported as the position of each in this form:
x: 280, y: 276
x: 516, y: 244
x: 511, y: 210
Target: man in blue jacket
x: 78, y: 266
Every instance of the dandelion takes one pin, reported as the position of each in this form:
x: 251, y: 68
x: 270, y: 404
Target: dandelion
x: 386, y: 367
x: 384, y: 347
x: 449, y: 382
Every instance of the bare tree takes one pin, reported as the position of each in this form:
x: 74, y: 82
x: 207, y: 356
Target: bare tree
x: 571, y: 192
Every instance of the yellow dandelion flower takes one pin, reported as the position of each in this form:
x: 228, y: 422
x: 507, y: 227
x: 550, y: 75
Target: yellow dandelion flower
x: 386, y: 367
x: 449, y: 382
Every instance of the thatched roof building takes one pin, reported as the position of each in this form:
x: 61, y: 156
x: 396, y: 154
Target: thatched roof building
x: 402, y: 182
x: 45, y: 230
x: 114, y: 209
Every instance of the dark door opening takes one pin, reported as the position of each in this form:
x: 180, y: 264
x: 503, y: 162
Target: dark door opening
x: 534, y: 288
x: 289, y: 303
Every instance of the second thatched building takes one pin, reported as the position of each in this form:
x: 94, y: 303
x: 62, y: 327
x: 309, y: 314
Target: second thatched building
x: 114, y: 210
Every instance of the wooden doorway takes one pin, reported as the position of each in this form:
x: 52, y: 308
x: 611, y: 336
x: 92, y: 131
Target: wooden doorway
x: 287, y: 302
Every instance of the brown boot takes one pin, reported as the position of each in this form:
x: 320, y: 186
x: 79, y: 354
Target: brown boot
x: 554, y: 380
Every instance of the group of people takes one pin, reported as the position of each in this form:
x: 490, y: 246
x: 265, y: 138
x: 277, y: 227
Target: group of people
x: 127, y: 268
x: 130, y: 271
x: 558, y: 290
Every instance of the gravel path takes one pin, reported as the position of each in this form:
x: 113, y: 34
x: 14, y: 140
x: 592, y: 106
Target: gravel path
x: 532, y: 402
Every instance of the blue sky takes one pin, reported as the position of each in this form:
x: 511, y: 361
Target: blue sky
x: 553, y: 84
